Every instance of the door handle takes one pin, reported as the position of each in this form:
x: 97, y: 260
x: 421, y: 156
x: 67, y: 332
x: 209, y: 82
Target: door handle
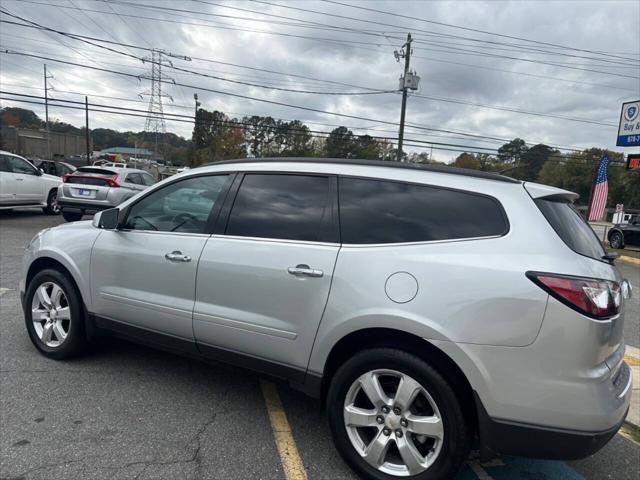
x: 19, y: 179
x: 177, y: 256
x: 304, y: 270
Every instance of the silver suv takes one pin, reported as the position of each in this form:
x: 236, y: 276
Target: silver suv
x: 428, y: 307
x: 92, y: 189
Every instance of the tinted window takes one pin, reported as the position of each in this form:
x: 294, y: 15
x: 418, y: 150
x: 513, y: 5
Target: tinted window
x: 18, y: 165
x: 571, y: 227
x: 134, y: 178
x: 4, y: 163
x: 147, y: 179
x: 292, y: 207
x: 373, y: 211
x: 183, y: 206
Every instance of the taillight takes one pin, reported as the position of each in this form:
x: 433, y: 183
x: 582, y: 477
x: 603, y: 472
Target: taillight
x: 112, y: 181
x: 599, y: 299
x: 65, y: 177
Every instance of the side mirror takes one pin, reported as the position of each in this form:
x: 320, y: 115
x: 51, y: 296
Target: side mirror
x: 107, y: 219
x: 39, y: 171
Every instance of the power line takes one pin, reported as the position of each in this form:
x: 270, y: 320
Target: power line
x: 512, y: 37
x: 333, y: 42
x: 462, y: 102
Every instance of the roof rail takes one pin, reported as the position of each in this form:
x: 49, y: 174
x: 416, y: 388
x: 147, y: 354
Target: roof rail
x: 373, y: 163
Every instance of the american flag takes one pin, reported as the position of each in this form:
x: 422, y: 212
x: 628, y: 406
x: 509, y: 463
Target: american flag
x: 600, y: 191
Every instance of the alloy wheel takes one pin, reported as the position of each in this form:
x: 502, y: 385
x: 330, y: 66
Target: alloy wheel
x: 616, y: 240
x: 393, y: 422
x: 51, y: 314
x: 55, y: 208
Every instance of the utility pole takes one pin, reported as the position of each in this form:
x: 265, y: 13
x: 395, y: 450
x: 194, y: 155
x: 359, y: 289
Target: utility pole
x: 86, y: 126
x: 405, y: 84
x: 46, y: 110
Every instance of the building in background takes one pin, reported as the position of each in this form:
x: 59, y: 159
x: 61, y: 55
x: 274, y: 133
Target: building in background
x: 32, y: 143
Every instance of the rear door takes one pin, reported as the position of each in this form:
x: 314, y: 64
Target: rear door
x: 144, y: 273
x: 264, y: 280
x: 134, y: 181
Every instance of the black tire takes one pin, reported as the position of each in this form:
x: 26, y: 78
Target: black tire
x: 71, y: 216
x: 76, y: 340
x: 616, y: 240
x: 457, y: 436
x: 52, y: 207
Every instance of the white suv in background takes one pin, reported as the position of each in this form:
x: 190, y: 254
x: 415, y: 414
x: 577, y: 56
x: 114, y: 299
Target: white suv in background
x: 23, y: 185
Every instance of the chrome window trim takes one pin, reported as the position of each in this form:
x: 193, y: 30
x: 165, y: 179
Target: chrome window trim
x: 154, y: 232
x: 274, y: 240
x: 423, y: 242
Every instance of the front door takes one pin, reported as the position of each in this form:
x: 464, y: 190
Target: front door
x: 29, y: 187
x: 262, y: 285
x: 144, y: 274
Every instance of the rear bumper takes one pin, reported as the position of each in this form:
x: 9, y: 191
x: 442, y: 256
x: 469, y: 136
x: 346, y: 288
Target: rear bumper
x: 514, y: 438
x: 509, y: 438
x: 84, y: 207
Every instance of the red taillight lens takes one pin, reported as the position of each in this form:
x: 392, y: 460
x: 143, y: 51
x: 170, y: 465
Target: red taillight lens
x: 65, y: 177
x: 113, y: 181
x: 600, y: 299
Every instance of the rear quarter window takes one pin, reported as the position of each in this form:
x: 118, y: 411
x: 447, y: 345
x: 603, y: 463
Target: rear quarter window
x: 571, y: 227
x: 378, y: 211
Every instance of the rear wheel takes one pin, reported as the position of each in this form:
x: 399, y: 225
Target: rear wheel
x: 71, y: 216
x: 52, y: 207
x: 54, y: 315
x: 616, y: 240
x: 393, y: 415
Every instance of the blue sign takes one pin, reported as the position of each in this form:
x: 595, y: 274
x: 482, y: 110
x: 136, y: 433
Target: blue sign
x: 629, y: 129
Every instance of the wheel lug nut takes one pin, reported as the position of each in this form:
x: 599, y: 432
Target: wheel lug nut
x: 404, y: 422
x: 396, y: 410
x: 379, y: 419
x: 385, y: 409
x: 386, y: 431
x: 399, y: 433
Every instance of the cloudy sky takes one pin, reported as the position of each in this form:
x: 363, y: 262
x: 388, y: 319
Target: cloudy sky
x: 552, y: 72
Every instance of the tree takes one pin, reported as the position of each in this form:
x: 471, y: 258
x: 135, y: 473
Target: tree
x: 340, y: 143
x: 467, y: 160
x: 216, y: 137
x: 20, y: 117
x: 512, y: 152
x: 533, y: 160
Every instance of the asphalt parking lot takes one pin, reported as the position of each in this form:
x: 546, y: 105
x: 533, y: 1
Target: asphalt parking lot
x: 126, y: 411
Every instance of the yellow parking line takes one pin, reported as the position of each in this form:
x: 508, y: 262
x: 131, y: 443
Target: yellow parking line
x: 289, y: 456
x: 632, y: 361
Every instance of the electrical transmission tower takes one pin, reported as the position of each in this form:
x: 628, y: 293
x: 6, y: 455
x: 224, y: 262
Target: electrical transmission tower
x: 155, y: 116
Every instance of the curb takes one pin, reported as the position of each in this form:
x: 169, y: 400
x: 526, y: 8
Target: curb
x: 631, y: 260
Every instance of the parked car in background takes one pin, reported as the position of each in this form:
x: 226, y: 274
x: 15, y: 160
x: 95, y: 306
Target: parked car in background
x: 22, y: 185
x: 115, y: 165
x: 58, y: 169
x: 622, y: 235
x: 427, y: 306
x: 91, y: 189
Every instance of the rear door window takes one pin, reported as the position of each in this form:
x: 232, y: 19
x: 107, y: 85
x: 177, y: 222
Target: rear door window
x: 378, y: 211
x: 279, y: 206
x: 571, y: 227
x: 134, y: 178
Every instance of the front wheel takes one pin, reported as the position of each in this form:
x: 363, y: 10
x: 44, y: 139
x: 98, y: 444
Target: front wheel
x: 71, y: 216
x: 52, y: 207
x: 616, y: 240
x: 392, y: 415
x: 54, y: 315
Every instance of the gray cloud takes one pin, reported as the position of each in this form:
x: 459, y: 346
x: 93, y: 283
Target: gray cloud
x: 600, y: 26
